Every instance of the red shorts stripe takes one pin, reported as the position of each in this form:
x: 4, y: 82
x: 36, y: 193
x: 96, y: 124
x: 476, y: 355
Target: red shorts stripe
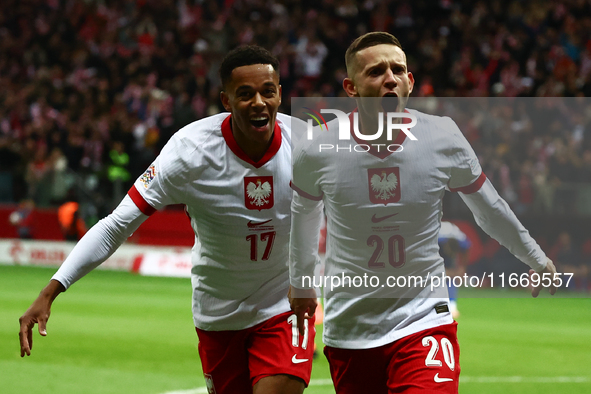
x: 473, y: 187
x: 234, y: 361
x: 139, y: 201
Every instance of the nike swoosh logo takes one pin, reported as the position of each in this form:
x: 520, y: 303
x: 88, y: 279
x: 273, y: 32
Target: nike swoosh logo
x: 255, y: 224
x: 437, y: 379
x: 296, y: 360
x: 375, y: 219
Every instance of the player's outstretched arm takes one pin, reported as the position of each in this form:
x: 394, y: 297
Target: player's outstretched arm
x: 38, y: 313
x: 497, y: 219
x: 94, y: 248
x: 100, y: 242
x: 306, y: 219
x: 549, y: 269
x: 303, y: 303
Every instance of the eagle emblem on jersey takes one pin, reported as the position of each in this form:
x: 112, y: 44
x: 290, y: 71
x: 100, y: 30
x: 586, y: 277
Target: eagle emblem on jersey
x: 258, y: 192
x: 384, y: 185
x: 148, y: 176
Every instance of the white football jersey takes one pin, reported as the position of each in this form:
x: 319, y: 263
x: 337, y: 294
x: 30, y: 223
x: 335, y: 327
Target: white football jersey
x: 384, y: 212
x: 240, y: 212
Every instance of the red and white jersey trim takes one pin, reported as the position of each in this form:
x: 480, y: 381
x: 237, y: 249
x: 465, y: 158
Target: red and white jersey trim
x: 233, y: 145
x: 139, y: 201
x: 471, y: 188
x: 304, y: 194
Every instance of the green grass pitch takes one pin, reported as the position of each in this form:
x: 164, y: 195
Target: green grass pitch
x: 116, y: 332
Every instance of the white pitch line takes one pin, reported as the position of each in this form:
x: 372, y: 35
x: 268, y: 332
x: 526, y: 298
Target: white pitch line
x: 199, y: 390
x: 463, y: 379
x: 203, y: 390
x: 524, y: 379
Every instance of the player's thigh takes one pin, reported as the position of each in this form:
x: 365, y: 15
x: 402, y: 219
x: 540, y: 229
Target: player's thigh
x: 277, y: 348
x: 425, y: 362
x: 355, y: 371
x: 279, y: 384
x: 225, y: 361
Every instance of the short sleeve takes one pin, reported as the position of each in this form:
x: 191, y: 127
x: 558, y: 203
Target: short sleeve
x: 163, y: 183
x: 305, y: 180
x: 466, y: 175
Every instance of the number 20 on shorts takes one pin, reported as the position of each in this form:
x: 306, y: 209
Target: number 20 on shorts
x: 446, y: 348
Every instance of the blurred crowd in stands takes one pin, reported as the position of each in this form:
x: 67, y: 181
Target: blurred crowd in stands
x: 90, y: 90
x: 535, y: 150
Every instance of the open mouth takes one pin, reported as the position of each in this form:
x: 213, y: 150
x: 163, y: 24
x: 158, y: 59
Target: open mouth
x: 259, y: 121
x: 390, y: 102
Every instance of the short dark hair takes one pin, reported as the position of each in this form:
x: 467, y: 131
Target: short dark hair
x: 365, y: 41
x: 245, y: 56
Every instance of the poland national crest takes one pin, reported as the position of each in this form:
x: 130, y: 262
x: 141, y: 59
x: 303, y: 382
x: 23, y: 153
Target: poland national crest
x: 384, y: 185
x: 258, y: 192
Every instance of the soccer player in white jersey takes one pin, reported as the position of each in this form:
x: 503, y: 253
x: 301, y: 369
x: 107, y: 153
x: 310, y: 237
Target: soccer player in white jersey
x: 232, y: 171
x: 406, y: 343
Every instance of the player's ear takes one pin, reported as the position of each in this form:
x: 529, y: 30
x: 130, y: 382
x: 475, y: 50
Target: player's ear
x: 411, y: 80
x: 350, y: 87
x: 225, y: 101
x: 280, y: 94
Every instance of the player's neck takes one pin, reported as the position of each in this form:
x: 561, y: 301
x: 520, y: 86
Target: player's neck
x: 255, y: 150
x: 369, y: 124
